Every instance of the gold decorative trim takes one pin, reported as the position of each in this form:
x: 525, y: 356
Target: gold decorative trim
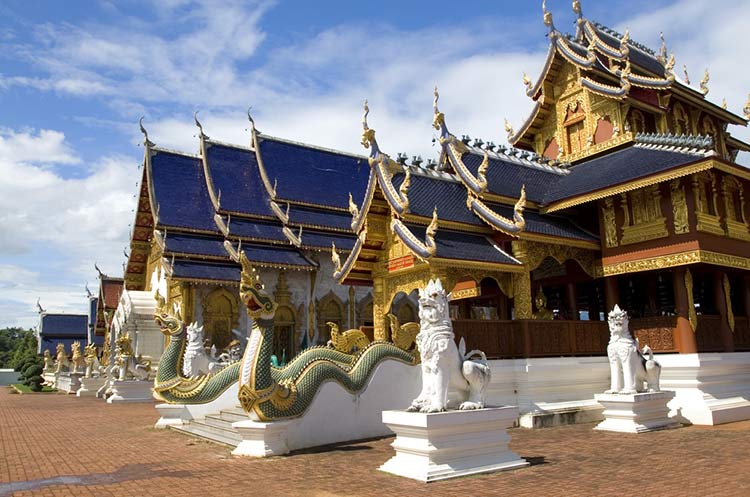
x: 678, y: 259
x: 646, y: 231
x: 728, y: 301
x: 692, y: 315
x: 708, y: 223
x: 679, y: 172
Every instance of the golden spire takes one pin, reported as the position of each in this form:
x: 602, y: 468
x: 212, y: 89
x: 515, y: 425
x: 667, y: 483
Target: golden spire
x: 663, y: 51
x: 547, y: 16
x: 724, y: 103
x: 368, y: 135
x: 704, y: 82
x: 746, y: 108
x: 577, y: 8
x: 686, y: 78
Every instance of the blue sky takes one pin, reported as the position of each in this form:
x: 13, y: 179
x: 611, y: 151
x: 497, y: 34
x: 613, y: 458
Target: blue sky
x: 76, y: 76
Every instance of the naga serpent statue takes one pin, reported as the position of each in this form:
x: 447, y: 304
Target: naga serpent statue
x: 268, y: 393
x: 170, y: 385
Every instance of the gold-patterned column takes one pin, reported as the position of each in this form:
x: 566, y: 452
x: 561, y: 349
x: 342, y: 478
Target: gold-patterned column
x: 724, y: 306
x: 379, y: 309
x: 682, y: 281
x: 522, y: 283
x: 352, y: 305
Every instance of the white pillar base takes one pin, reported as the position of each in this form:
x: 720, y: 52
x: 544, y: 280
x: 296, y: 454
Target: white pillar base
x: 69, y: 382
x: 431, y: 447
x: 89, y: 386
x: 635, y: 413
x: 130, y: 391
x: 261, y: 439
x: 171, y: 415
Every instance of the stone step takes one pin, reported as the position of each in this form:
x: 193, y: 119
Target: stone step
x: 211, y: 433
x: 219, y: 421
x: 234, y: 414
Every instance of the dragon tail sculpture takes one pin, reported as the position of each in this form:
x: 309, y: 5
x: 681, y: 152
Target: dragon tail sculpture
x: 268, y: 393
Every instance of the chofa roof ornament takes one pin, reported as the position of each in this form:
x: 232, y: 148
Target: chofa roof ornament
x: 146, y: 141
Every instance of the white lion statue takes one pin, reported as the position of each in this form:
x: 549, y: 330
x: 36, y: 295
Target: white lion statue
x: 196, y: 361
x: 630, y: 367
x: 445, y: 366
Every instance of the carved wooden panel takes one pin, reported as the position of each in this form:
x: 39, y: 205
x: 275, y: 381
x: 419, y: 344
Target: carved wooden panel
x: 741, y: 333
x: 708, y: 334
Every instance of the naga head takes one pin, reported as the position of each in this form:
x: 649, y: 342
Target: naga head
x: 618, y: 322
x: 433, y: 304
x: 259, y: 303
x: 169, y: 324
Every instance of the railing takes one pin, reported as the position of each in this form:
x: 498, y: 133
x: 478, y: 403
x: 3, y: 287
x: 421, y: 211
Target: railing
x: 531, y: 338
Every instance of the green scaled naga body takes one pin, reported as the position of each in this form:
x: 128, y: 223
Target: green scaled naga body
x: 172, y: 387
x: 268, y: 393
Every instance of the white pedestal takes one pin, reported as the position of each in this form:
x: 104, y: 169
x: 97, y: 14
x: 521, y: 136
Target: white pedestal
x: 431, y: 447
x: 171, y: 415
x: 635, y: 413
x: 262, y: 439
x: 89, y: 386
x: 130, y: 391
x: 69, y: 382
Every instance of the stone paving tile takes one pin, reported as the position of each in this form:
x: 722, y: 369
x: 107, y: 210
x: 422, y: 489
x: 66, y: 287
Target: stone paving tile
x: 56, y: 445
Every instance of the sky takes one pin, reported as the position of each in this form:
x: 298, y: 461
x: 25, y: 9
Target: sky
x: 75, y: 77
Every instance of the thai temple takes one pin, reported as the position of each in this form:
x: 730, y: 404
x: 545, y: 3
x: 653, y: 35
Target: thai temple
x: 58, y: 328
x: 620, y: 187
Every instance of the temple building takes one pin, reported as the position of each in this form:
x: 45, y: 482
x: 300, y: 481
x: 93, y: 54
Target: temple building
x: 58, y: 328
x: 621, y: 187
x: 273, y: 200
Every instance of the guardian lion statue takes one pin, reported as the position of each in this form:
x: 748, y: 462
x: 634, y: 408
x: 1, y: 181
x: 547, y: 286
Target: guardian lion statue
x: 630, y: 367
x: 196, y: 361
x: 76, y: 359
x: 62, y: 363
x: 127, y: 363
x: 91, y: 359
x: 445, y: 366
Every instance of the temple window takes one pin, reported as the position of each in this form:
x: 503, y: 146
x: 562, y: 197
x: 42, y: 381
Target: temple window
x: 604, y: 130
x: 220, y: 316
x: 645, y: 204
x: 283, y: 333
x: 574, y: 128
x: 330, y: 308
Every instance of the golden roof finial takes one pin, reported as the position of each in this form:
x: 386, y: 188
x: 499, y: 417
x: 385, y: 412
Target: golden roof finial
x: 335, y: 258
x: 353, y: 209
x: 686, y: 78
x: 704, y: 82
x: 577, y: 8
x: 508, y: 129
x: 547, y: 16
x: 438, y: 121
x: 663, y: 50
x: 146, y: 141
x: 724, y: 103
x: 368, y: 135
x: 198, y: 123
x: 526, y: 81
x: 746, y: 108
x: 432, y: 228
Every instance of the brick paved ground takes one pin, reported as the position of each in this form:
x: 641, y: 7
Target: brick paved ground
x: 55, y: 445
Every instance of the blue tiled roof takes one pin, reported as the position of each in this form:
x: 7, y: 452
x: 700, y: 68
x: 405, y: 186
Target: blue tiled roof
x: 546, y: 224
x: 505, y: 177
x: 312, y: 175
x: 276, y: 255
x: 325, y: 219
x: 250, y: 228
x: 464, y: 246
x: 205, y: 270
x: 234, y: 172
x: 426, y: 193
x: 320, y: 239
x: 195, y: 245
x: 615, y: 168
x: 50, y: 343
x: 181, y: 193
x: 64, y: 325
x: 637, y: 57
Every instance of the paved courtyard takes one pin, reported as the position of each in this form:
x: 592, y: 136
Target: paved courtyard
x: 56, y: 445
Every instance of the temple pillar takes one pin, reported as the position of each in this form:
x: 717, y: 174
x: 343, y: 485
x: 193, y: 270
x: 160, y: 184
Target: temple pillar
x: 684, y: 334
x: 594, y: 302
x: 746, y: 294
x: 379, y: 309
x: 722, y: 304
x: 611, y: 293
x: 572, y: 297
x: 522, y: 295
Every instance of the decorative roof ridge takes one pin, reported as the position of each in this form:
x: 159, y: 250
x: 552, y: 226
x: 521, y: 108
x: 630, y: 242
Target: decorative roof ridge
x: 634, y: 44
x: 340, y: 272
x: 172, y: 151
x: 431, y: 173
x: 698, y: 145
x: 264, y: 136
x: 497, y: 221
x: 423, y: 250
x: 522, y: 158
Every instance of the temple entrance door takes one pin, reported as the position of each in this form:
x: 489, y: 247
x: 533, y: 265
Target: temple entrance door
x: 220, y: 316
x: 330, y: 308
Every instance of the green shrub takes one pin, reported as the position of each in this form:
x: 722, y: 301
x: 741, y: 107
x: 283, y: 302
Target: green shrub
x: 35, y: 383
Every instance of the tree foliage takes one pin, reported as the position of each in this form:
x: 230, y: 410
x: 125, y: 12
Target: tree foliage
x: 18, y: 348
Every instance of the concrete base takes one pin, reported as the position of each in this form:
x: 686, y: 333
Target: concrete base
x: 180, y: 414
x: 89, y: 386
x: 130, y: 391
x: 562, y: 413
x: 431, y: 447
x: 50, y: 379
x: 635, y: 413
x: 69, y: 382
x: 710, y: 389
x: 262, y: 439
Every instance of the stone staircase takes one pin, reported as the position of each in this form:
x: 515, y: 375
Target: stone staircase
x: 216, y: 427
